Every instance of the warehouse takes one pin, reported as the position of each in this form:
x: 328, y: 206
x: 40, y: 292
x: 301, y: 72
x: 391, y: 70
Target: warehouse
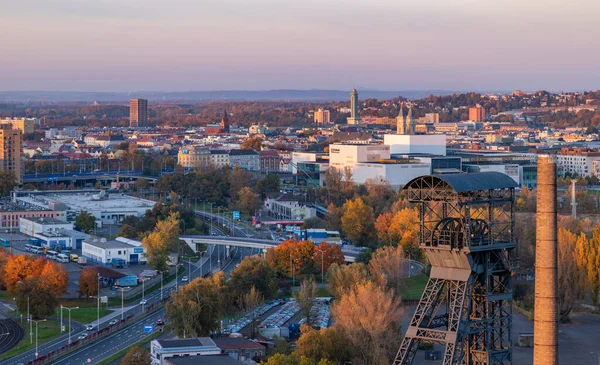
x: 106, y: 252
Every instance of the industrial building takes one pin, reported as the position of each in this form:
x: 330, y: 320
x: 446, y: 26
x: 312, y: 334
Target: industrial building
x: 161, y: 350
x: 107, y: 208
x: 52, y: 232
x: 103, y: 251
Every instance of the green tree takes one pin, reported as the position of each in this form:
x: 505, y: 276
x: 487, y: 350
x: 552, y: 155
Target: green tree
x: 136, y: 356
x: 128, y: 231
x: 85, y: 222
x: 270, y: 184
x: 8, y: 181
x: 161, y: 242
x: 42, y: 298
x: 326, y: 343
x: 248, y: 201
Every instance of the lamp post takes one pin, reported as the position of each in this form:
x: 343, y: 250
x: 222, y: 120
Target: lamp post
x: 161, y: 285
x: 36, y: 334
x: 322, y: 265
x: 98, y: 324
x: 69, y: 309
x: 122, y: 301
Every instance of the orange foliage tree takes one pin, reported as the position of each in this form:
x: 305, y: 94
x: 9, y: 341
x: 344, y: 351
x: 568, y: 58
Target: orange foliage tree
x: 325, y: 255
x: 88, y: 282
x: 296, y: 253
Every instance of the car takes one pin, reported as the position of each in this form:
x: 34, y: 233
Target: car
x: 113, y: 322
x: 89, y: 327
x: 184, y: 279
x: 143, y: 302
x: 82, y: 336
x: 159, y: 322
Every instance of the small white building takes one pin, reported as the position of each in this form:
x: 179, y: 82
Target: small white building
x: 103, y: 251
x: 161, y: 350
x: 434, y: 144
x: 32, y: 225
x: 52, y: 232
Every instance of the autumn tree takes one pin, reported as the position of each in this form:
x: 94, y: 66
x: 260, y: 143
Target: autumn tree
x: 8, y: 181
x: 369, y: 317
x: 251, y: 300
x: 570, y: 277
x: 88, y: 282
x: 327, y: 254
x: 248, y: 201
x: 85, y: 222
x: 400, y: 228
x: 341, y: 279
x: 128, y: 231
x: 37, y: 295
x: 306, y: 296
x: 254, y: 143
x: 358, y: 222
x: 54, y: 277
x: 326, y: 343
x: 161, y: 242
x: 19, y: 268
x: 380, y: 196
x: 254, y: 272
x: 587, y: 257
x: 136, y: 356
x: 293, y: 359
x: 387, y: 267
x: 294, y: 257
x: 333, y: 219
x: 196, y: 308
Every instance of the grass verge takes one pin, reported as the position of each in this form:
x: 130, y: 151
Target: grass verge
x: 122, y: 353
x: 86, y: 315
x: 46, y: 331
x: 414, y: 287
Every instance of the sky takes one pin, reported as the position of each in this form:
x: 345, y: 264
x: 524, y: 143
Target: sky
x: 183, y: 45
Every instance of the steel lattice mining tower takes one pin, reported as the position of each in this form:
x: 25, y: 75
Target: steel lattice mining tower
x: 545, y: 327
x: 467, y: 230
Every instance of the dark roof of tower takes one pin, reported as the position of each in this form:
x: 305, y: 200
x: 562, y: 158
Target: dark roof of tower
x: 464, y: 182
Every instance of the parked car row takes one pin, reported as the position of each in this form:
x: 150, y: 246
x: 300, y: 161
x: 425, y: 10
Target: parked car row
x: 319, y: 314
x: 246, y: 319
x: 283, y: 315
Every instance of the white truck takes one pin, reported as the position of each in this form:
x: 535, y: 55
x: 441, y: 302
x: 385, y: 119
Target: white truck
x: 82, y: 260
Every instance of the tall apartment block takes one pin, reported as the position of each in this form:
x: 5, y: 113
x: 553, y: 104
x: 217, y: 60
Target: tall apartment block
x: 322, y: 116
x: 138, y: 113
x: 477, y: 113
x: 354, y: 118
x: 11, y: 150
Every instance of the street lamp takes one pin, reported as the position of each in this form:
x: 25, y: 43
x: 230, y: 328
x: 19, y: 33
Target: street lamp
x: 36, y: 334
x: 122, y: 301
x: 61, y: 326
x: 322, y: 265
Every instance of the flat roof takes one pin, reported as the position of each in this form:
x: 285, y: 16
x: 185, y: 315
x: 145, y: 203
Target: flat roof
x: 45, y: 220
x: 186, y: 342
x: 203, y: 360
x: 80, y: 201
x: 97, y: 242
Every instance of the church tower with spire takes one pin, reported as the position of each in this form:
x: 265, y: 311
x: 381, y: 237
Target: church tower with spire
x: 401, y: 122
x: 412, y: 123
x: 225, y: 122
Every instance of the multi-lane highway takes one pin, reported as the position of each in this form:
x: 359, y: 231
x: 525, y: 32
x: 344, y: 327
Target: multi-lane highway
x: 121, y: 339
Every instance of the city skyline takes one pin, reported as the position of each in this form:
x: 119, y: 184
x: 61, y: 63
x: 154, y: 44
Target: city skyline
x: 68, y: 45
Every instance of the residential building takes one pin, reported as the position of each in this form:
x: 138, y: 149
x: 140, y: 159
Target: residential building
x: 354, y: 118
x: 12, y: 218
x: 11, y: 150
x: 577, y: 161
x: 269, y: 160
x: 26, y: 125
x: 138, y: 113
x: 240, y: 348
x: 246, y: 159
x: 432, y: 118
x: 322, y: 116
x: 162, y: 350
x: 219, y: 158
x: 194, y: 157
x: 286, y: 207
x: 477, y: 114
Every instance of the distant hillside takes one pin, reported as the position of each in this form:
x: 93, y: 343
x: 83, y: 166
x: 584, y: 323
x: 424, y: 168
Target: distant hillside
x: 158, y: 96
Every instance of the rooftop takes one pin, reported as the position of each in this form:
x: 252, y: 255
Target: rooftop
x: 83, y: 200
x: 203, y: 360
x: 226, y: 343
x: 186, y: 342
x: 104, y: 244
x: 45, y: 220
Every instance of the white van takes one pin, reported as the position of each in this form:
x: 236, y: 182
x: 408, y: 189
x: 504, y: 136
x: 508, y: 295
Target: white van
x: 51, y: 255
x: 61, y: 257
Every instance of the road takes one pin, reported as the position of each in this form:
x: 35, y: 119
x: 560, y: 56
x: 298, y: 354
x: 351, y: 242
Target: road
x: 10, y: 334
x: 124, y: 338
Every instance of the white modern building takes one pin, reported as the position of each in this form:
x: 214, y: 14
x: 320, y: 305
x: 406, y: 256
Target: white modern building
x: 577, y: 162
x: 103, y: 251
x: 434, y: 144
x: 246, y: 159
x: 395, y: 174
x: 348, y: 155
x: 51, y: 232
x: 161, y: 350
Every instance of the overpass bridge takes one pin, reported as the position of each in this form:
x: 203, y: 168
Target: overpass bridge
x: 69, y: 177
x: 256, y: 243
